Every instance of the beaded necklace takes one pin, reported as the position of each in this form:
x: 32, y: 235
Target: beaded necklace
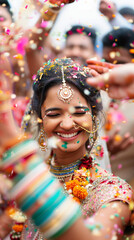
x: 63, y: 171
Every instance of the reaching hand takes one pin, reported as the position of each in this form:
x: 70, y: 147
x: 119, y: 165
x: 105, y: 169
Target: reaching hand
x: 116, y: 143
x: 119, y: 82
x: 108, y: 8
x: 99, y: 67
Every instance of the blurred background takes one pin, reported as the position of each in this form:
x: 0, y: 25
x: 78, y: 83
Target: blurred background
x: 83, y: 12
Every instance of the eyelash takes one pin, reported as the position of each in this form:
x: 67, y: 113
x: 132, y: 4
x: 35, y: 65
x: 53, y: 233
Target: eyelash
x: 79, y: 113
x: 58, y: 114
x: 53, y: 115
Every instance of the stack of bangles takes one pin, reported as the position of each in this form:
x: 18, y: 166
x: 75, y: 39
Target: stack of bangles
x: 38, y: 194
x: 49, y: 11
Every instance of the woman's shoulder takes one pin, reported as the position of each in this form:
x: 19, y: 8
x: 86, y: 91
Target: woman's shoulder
x: 116, y: 187
x: 106, y: 188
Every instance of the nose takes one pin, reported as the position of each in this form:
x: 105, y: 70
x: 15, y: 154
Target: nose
x: 75, y: 52
x: 67, y: 122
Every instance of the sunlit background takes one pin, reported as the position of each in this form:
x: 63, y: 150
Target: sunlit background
x: 84, y: 12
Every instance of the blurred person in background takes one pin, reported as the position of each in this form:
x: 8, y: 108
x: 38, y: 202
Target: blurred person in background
x: 20, y: 50
x: 128, y: 13
x: 118, y: 46
x: 109, y: 10
x: 80, y: 44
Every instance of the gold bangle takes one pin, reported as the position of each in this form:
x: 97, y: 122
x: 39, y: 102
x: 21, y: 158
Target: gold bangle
x: 49, y: 13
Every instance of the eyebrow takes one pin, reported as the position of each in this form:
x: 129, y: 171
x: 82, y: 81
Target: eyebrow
x: 81, y: 107
x: 59, y: 109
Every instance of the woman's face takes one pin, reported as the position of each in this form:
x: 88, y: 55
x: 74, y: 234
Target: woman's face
x: 59, y: 119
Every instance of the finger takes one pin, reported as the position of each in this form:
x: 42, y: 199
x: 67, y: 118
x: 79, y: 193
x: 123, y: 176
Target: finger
x: 126, y: 143
x: 117, y: 92
x: 99, y: 69
x: 99, y: 63
x: 98, y: 82
x: 130, y: 90
x: 94, y: 73
x: 116, y: 131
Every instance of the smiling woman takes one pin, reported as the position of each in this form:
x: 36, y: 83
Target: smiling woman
x: 68, y: 110
x: 67, y: 106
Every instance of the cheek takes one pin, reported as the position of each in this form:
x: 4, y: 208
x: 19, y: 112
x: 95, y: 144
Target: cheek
x: 47, y: 127
x: 85, y: 121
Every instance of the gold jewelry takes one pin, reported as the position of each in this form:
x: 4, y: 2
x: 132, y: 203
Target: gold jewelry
x: 42, y: 140
x: 95, y: 128
x: 49, y: 12
x: 65, y: 93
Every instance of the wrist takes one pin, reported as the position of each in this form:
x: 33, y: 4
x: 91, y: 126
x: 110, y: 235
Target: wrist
x: 49, y: 11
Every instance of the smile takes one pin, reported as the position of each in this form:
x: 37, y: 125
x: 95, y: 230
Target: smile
x: 69, y: 135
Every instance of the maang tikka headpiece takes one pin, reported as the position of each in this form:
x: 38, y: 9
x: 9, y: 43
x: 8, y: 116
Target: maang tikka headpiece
x: 65, y: 93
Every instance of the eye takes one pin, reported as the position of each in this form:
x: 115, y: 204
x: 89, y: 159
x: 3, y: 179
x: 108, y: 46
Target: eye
x: 80, y: 112
x: 53, y: 115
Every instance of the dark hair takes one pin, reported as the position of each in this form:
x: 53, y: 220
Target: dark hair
x: 51, y: 75
x: 79, y: 29
x: 7, y: 5
x: 127, y: 11
x: 122, y: 37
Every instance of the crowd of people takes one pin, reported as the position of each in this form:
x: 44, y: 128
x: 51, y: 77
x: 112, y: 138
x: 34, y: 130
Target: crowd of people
x: 66, y: 128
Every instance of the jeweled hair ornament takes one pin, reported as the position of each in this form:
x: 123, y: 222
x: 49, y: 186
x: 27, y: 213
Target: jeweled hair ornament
x: 65, y: 93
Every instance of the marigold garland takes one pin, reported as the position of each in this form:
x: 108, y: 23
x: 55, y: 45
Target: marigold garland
x: 77, y: 186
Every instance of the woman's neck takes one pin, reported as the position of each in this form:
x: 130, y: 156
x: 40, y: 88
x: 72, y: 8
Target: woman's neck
x: 65, y: 158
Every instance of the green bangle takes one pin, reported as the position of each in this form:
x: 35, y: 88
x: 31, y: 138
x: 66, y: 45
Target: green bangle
x: 68, y: 225
x: 42, y: 215
x: 33, y: 197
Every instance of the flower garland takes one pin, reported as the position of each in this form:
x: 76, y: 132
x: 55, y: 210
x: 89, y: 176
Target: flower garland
x: 77, y: 187
x: 19, y: 224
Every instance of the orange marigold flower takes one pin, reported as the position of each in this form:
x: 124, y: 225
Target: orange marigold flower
x: 76, y: 199
x: 18, y: 228
x: 80, y: 192
x: 84, y: 183
x: 71, y: 184
x: 11, y: 210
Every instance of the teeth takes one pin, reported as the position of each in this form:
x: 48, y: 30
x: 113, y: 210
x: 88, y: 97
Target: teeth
x: 67, y: 135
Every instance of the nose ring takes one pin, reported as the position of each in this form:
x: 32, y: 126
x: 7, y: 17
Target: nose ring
x: 75, y: 125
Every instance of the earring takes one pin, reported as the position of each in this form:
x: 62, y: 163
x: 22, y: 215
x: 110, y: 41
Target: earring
x: 42, y: 140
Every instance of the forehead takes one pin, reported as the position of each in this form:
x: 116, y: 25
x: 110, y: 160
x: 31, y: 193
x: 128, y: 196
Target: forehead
x: 78, y: 39
x: 52, y: 99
